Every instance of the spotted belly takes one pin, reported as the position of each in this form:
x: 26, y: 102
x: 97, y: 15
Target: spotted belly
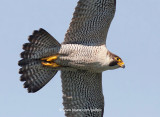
x: 91, y: 58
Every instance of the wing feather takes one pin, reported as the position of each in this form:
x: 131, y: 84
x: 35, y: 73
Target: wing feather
x: 82, y: 90
x: 90, y: 22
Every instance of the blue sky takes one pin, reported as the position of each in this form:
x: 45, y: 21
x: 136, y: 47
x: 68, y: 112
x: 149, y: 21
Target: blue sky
x: 134, y: 35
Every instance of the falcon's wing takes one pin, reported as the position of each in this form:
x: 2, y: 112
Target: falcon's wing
x: 82, y: 90
x: 90, y: 22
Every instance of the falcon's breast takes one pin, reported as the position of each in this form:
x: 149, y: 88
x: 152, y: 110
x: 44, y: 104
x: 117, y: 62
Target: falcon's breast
x: 92, y: 58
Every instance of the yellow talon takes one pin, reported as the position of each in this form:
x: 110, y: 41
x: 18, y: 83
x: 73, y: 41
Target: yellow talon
x: 46, y: 64
x: 49, y: 61
x: 50, y: 58
x: 50, y: 64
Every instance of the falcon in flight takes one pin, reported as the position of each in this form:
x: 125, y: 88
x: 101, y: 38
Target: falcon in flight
x: 81, y: 58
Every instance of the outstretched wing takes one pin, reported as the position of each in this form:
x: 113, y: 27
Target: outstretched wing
x: 82, y: 91
x: 90, y: 22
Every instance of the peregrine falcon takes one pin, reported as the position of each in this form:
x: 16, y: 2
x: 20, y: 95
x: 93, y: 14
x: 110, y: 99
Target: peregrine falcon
x: 81, y: 58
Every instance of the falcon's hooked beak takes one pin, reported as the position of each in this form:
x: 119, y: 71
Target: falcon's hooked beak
x: 121, y: 64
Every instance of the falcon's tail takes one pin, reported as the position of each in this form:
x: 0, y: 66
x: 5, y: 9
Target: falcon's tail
x: 41, y: 44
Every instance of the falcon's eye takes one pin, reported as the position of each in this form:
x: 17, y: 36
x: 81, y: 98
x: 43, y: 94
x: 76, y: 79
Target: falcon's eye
x: 117, y: 58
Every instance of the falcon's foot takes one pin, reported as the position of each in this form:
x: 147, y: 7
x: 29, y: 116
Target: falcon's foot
x: 49, y: 61
x: 50, y: 58
x: 50, y: 64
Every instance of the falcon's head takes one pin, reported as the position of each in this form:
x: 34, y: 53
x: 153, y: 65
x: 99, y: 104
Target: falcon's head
x: 115, y: 61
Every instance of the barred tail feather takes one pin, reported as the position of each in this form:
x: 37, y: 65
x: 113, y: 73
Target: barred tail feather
x: 35, y: 75
x: 42, y: 44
